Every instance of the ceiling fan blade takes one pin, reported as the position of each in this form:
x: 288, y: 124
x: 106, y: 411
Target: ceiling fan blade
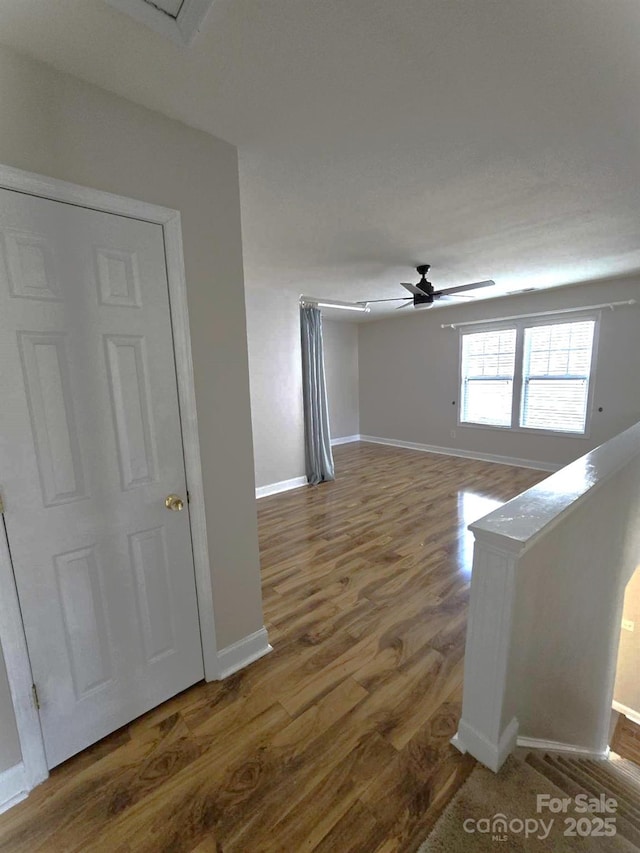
x: 473, y: 286
x: 371, y: 301
x: 412, y: 288
x: 408, y: 304
x: 448, y: 296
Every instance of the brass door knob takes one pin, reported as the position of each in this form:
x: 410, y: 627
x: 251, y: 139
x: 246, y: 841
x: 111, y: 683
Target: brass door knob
x: 174, y: 503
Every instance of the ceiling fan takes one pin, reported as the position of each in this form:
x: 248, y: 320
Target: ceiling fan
x: 423, y: 294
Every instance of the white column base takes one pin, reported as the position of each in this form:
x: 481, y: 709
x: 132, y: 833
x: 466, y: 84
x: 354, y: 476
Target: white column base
x: 492, y: 755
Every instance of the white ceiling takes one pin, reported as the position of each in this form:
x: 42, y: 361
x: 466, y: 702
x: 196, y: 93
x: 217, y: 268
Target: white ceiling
x: 491, y: 138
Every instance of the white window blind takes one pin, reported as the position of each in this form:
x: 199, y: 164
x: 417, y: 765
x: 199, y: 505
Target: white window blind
x: 488, y: 360
x: 555, y: 376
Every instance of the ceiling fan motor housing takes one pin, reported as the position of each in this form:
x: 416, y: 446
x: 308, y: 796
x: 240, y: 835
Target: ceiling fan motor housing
x: 425, y: 286
x: 427, y: 299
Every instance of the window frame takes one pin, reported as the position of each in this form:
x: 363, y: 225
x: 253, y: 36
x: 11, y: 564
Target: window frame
x: 520, y: 325
x: 493, y: 327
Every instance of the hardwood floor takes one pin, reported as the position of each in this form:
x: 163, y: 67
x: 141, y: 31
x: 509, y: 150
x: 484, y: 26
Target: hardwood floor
x: 338, y: 740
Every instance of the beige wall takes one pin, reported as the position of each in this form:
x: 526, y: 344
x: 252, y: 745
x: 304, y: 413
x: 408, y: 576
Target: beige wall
x: 275, y: 368
x: 627, y: 689
x: 409, y: 375
x: 273, y: 333
x: 61, y: 127
x: 340, y: 341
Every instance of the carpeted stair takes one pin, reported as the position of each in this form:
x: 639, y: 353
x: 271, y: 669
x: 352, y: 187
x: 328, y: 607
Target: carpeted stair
x: 513, y: 793
x: 617, y: 778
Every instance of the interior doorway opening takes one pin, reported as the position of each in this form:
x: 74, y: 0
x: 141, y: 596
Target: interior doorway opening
x: 624, y: 733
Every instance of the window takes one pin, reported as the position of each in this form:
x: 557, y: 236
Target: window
x: 488, y: 360
x: 528, y: 376
x: 555, y: 376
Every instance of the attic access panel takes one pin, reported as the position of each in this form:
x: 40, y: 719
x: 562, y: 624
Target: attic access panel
x: 178, y: 20
x: 171, y: 7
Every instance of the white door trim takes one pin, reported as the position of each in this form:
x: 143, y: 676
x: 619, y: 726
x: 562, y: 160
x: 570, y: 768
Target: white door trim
x: 11, y: 628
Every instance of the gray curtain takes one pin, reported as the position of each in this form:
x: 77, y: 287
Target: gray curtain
x: 319, y: 459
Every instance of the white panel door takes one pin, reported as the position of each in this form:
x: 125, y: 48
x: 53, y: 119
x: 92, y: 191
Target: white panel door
x: 90, y: 447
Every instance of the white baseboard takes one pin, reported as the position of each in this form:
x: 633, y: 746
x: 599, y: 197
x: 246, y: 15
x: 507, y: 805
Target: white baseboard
x: 282, y: 486
x: 245, y: 651
x: 632, y: 715
x: 492, y: 755
x: 555, y: 746
x: 465, y: 454
x: 346, y: 439
x: 13, y: 787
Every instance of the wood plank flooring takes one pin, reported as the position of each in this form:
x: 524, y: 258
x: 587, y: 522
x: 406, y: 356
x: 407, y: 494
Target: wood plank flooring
x: 626, y: 739
x: 337, y: 741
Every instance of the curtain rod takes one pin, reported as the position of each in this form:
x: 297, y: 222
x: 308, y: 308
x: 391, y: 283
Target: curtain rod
x: 334, y: 303
x: 610, y: 305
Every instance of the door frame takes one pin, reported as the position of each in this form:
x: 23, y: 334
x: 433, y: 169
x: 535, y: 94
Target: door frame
x: 12, y: 635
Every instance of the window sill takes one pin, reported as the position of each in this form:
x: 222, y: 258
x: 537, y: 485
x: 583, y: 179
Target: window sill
x: 526, y: 430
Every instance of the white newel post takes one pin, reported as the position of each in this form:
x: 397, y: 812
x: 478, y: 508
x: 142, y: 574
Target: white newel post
x: 483, y: 730
x: 549, y: 570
